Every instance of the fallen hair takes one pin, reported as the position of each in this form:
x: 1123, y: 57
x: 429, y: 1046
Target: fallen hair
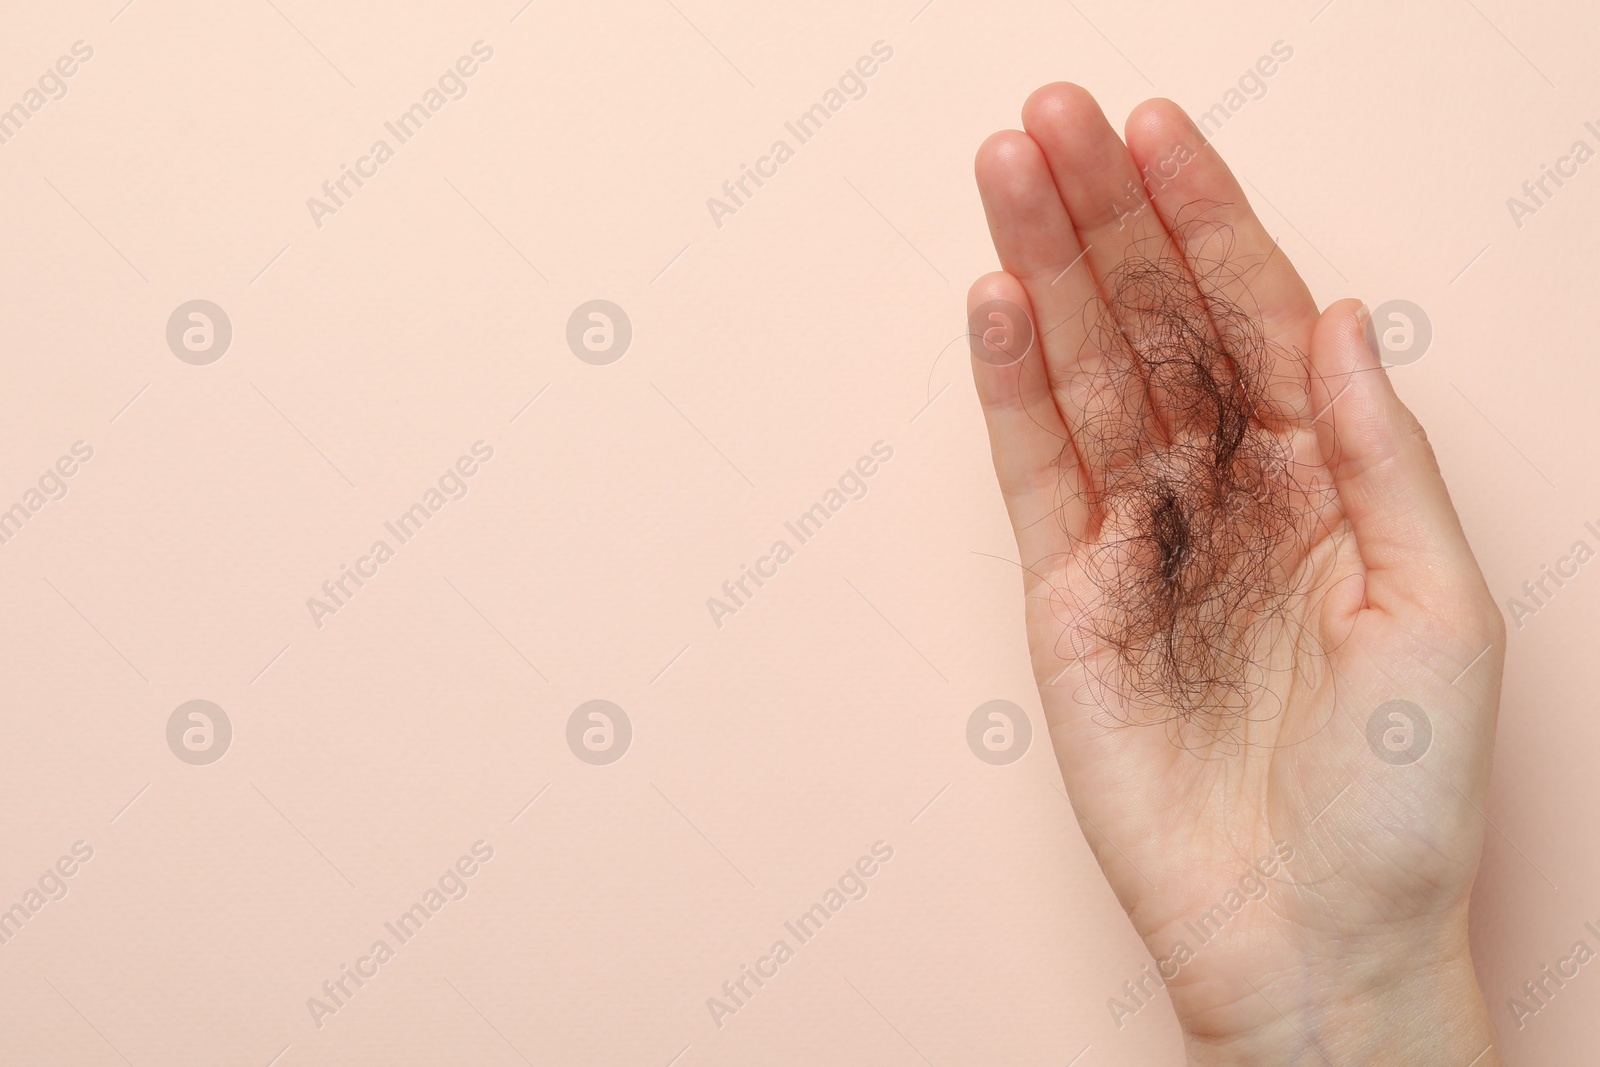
x: 1198, y: 514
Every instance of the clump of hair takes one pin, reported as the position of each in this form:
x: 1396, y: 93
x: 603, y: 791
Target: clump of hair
x: 1197, y: 512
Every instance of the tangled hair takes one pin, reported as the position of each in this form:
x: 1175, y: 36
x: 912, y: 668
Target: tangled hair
x: 1200, y: 516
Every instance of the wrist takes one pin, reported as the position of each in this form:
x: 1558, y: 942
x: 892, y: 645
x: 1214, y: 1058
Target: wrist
x: 1418, y: 1006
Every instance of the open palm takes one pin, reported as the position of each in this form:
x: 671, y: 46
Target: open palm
x: 1268, y: 661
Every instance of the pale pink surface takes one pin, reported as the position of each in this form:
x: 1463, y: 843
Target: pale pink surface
x: 818, y: 319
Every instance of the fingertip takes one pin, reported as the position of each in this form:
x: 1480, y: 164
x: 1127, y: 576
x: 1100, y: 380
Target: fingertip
x: 1339, y: 339
x: 996, y: 285
x: 1338, y: 355
x: 1059, y: 105
x: 1000, y: 331
x: 1156, y: 116
x: 1006, y: 162
x: 1161, y: 137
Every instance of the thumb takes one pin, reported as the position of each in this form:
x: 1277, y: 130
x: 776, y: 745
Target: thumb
x: 1390, y: 488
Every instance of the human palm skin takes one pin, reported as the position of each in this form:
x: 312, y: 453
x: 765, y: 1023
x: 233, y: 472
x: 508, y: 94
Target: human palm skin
x: 1237, y: 551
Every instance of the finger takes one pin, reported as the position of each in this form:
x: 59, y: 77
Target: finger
x: 1140, y: 274
x: 1097, y: 392
x: 1094, y: 174
x: 1033, y: 235
x: 1406, y: 530
x: 1231, y: 255
x: 1034, y: 460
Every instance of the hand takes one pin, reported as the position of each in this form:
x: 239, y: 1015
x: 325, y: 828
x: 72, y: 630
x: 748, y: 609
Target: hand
x: 1237, y: 551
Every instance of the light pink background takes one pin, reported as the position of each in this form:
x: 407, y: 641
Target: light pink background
x: 768, y: 354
